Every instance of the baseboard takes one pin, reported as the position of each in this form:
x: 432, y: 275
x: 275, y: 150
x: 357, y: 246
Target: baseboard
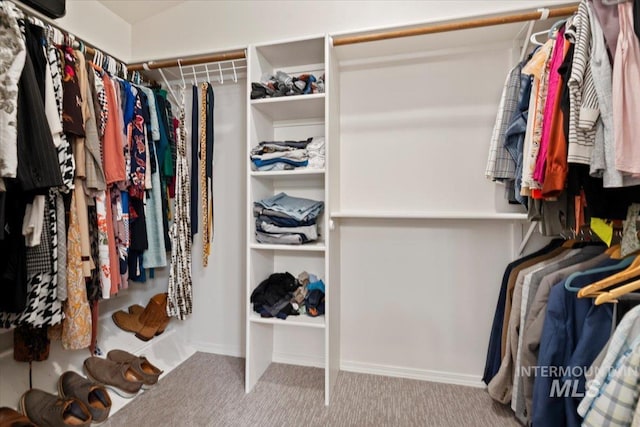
x: 351, y: 366
x: 412, y: 373
x: 224, y: 350
x: 298, y: 359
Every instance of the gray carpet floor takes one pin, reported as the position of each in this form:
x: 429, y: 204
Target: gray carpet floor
x: 208, y: 390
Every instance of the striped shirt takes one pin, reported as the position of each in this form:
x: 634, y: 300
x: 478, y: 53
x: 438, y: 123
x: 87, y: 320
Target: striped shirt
x: 583, y: 99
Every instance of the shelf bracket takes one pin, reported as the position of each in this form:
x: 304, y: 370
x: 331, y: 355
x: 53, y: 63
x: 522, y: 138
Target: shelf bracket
x: 527, y: 237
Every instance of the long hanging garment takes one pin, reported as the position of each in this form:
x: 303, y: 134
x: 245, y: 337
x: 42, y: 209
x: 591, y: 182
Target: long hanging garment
x: 179, y: 298
x: 206, y: 168
x: 209, y: 167
x: 194, y: 161
x: 203, y: 174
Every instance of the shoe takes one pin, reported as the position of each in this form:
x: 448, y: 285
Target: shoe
x: 12, y: 418
x: 47, y: 410
x: 146, y: 324
x: 140, y: 364
x: 94, y: 396
x: 118, y: 377
x: 137, y: 309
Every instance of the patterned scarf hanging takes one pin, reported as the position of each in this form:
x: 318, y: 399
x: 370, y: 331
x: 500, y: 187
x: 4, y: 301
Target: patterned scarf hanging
x: 179, y: 298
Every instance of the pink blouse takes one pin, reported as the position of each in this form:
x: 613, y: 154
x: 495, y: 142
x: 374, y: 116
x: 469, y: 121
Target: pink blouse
x: 549, y: 107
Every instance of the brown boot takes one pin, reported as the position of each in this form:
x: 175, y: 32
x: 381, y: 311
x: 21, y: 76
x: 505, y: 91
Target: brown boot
x: 137, y: 309
x: 12, y: 418
x: 146, y: 324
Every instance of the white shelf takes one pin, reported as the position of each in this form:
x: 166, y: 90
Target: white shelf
x: 427, y: 215
x: 302, y: 320
x: 297, y: 173
x: 307, y: 247
x: 292, y: 53
x: 295, y: 107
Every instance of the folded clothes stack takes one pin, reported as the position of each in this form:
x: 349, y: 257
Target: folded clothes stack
x: 283, y: 84
x: 282, y: 219
x: 281, y: 295
x: 287, y: 155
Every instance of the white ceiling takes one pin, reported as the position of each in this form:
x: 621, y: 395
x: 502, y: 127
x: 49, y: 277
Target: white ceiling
x: 133, y: 11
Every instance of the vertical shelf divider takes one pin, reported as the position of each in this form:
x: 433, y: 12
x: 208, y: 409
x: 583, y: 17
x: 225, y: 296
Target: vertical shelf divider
x: 294, y: 117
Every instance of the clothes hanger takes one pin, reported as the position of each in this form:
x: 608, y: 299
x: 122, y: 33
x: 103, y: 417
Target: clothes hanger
x: 630, y: 272
x: 614, y: 294
x: 235, y: 74
x: 553, y: 31
x: 533, y: 38
x: 567, y: 283
x: 184, y: 85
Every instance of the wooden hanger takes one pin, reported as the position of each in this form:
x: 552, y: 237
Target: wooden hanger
x: 614, y: 251
x: 613, y: 295
x: 628, y: 273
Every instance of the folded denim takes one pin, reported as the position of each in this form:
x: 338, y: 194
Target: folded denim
x: 295, y: 163
x: 273, y: 167
x: 310, y: 232
x: 296, y: 207
x: 280, y: 239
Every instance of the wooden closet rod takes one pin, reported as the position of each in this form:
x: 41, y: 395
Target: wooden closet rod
x: 455, y: 26
x: 195, y: 60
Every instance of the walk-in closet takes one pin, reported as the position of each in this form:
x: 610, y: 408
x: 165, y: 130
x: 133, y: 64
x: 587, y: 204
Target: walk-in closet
x: 331, y: 213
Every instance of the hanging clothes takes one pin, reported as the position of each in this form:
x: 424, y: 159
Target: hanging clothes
x: 626, y: 86
x: 179, y: 298
x: 12, y: 60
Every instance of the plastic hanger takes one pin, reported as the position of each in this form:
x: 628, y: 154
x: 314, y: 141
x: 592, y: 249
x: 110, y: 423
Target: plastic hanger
x: 553, y: 31
x: 567, y: 283
x: 629, y: 273
x: 184, y: 85
x: 533, y: 38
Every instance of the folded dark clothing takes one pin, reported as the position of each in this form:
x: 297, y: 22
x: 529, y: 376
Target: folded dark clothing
x: 284, y: 222
x: 260, y: 163
x: 294, y: 144
x: 265, y: 313
x: 274, y: 288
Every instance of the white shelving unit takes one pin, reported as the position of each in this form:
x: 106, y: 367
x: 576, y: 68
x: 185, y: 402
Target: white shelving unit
x: 289, y: 118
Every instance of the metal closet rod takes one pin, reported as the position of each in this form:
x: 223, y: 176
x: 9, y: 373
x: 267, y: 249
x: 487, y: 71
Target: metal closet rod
x: 195, y: 60
x: 553, y: 12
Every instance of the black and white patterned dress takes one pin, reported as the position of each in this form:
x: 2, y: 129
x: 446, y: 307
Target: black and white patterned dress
x: 180, y: 292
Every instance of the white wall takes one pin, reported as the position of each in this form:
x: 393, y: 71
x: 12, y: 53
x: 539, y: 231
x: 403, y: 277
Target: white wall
x: 425, y: 309
x: 94, y: 23
x: 446, y: 333
x: 200, y: 26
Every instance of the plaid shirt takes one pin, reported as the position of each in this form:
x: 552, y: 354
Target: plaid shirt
x: 616, y: 402
x: 624, y: 341
x: 500, y: 165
